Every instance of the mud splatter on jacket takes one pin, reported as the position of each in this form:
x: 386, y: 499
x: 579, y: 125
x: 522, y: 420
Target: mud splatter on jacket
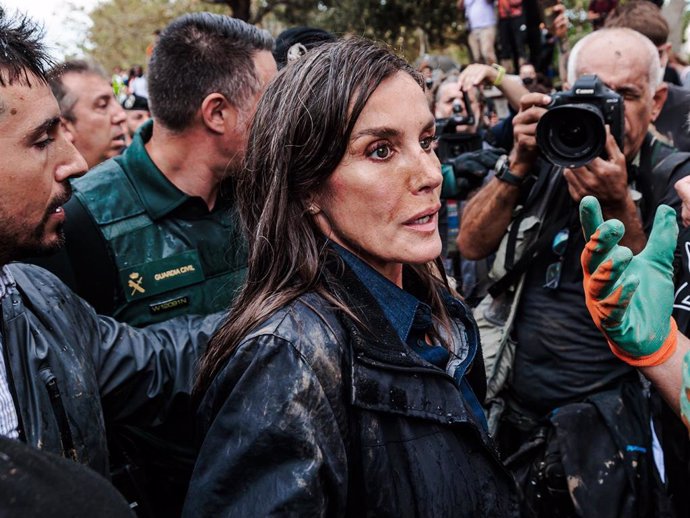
x: 314, y: 417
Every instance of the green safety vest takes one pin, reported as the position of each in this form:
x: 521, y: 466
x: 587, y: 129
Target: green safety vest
x: 167, y: 267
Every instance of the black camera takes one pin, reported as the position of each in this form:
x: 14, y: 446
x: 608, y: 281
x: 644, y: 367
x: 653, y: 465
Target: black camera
x: 458, y: 182
x: 452, y: 143
x: 572, y: 132
x: 458, y: 118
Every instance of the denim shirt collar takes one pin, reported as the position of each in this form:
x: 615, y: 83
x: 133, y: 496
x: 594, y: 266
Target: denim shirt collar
x: 397, y: 305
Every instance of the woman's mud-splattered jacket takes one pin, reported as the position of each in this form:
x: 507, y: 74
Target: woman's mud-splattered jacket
x: 314, y: 417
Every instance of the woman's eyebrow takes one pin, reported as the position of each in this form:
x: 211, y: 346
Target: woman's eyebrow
x: 381, y: 131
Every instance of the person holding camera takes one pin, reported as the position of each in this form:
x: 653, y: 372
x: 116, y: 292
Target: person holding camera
x: 555, y: 390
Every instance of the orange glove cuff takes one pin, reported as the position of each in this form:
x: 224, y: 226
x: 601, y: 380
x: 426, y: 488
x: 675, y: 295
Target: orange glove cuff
x: 664, y: 353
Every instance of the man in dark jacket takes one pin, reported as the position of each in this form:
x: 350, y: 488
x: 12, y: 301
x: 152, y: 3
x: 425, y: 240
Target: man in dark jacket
x: 558, y: 359
x: 65, y: 372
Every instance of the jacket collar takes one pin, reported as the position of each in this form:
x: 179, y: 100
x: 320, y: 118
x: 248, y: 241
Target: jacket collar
x: 382, y: 364
x: 6, y: 281
x: 398, y: 306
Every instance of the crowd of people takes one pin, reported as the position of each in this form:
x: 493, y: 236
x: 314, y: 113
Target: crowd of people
x: 275, y: 292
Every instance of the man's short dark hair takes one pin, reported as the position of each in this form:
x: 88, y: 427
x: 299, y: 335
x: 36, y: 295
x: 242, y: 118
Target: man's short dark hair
x: 199, y: 54
x: 66, y: 100
x: 21, y: 50
x: 641, y: 16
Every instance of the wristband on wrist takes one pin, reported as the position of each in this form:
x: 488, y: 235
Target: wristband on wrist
x: 504, y: 174
x: 656, y: 358
x: 501, y: 74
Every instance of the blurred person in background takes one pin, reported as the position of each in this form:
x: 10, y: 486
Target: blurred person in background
x: 91, y: 115
x: 481, y: 22
x: 137, y: 113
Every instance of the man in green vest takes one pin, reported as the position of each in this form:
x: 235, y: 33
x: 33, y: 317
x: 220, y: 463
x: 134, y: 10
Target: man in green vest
x: 151, y: 234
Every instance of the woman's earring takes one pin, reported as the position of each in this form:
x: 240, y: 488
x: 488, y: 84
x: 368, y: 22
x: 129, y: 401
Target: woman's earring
x: 313, y: 209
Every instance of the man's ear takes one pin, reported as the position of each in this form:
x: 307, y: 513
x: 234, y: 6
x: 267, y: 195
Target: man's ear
x: 659, y: 99
x: 217, y: 114
x: 68, y: 127
x: 664, y: 50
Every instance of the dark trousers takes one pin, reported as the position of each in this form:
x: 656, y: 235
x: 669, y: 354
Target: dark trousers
x: 512, y: 34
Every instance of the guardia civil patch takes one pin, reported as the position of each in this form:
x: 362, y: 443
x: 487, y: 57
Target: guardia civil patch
x: 156, y: 277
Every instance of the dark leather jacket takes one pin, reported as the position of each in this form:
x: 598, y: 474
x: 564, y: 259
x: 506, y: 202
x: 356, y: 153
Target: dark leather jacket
x: 72, y: 372
x: 314, y: 417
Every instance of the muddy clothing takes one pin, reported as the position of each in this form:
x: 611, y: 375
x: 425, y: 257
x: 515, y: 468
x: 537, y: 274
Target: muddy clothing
x: 563, y: 367
x: 72, y: 372
x: 314, y: 416
x: 141, y: 250
x: 561, y: 356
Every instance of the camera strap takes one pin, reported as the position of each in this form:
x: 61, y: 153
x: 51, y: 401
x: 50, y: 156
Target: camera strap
x: 534, y: 192
x: 542, y: 243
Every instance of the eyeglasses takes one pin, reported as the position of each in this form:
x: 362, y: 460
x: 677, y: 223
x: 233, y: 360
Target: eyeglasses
x: 558, y: 247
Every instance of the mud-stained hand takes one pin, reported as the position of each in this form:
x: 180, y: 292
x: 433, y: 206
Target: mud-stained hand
x: 682, y: 187
x: 607, y: 180
x: 630, y: 298
x: 525, y: 150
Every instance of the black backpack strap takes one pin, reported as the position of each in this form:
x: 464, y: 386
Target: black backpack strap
x: 669, y: 165
x: 94, y: 268
x: 663, y: 161
x: 536, y: 186
x: 540, y: 245
x: 516, y: 269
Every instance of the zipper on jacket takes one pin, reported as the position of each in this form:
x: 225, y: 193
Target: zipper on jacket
x: 50, y: 382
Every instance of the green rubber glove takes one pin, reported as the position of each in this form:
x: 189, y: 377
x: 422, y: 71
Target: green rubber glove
x: 630, y: 298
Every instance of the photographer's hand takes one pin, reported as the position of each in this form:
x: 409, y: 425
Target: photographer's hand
x: 608, y: 181
x: 525, y: 150
x: 477, y: 74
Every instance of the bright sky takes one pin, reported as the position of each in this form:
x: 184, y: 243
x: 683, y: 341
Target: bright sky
x: 65, y: 25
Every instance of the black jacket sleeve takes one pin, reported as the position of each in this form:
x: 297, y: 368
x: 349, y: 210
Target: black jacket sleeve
x: 139, y: 371
x: 274, y: 446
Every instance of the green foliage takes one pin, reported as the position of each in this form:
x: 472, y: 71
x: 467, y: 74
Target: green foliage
x: 409, y: 25
x: 123, y: 29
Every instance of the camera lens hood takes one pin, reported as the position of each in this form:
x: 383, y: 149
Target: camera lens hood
x: 571, y: 135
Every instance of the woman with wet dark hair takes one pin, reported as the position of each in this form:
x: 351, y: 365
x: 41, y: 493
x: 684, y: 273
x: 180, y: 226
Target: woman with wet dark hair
x: 348, y: 380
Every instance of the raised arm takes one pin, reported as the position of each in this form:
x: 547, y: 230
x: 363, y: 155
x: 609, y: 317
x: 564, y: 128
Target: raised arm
x: 488, y: 214
x: 477, y: 74
x: 630, y: 299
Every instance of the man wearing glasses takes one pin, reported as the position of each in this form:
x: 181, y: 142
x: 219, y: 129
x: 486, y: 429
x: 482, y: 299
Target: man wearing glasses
x: 563, y: 375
